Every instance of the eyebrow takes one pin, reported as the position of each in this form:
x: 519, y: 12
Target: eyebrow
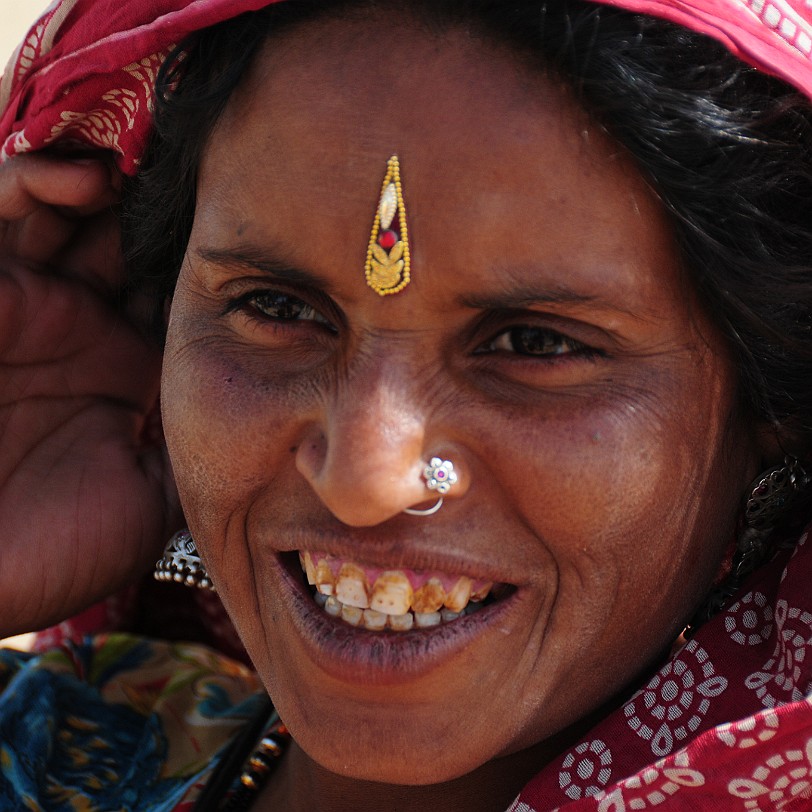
x: 250, y: 259
x: 514, y: 296
x: 519, y: 294
x: 517, y: 299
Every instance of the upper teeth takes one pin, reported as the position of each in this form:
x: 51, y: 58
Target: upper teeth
x: 391, y: 592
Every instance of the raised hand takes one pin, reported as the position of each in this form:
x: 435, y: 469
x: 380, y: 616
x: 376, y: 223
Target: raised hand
x: 86, y: 501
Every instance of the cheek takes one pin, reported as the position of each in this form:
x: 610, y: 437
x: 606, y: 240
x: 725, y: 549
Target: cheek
x: 634, y: 501
x: 228, y: 431
x: 229, y: 438
x: 597, y: 466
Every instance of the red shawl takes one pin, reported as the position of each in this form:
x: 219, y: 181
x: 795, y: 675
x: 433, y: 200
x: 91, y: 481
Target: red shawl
x: 727, y: 722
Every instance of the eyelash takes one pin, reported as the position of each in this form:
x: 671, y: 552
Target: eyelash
x: 540, y: 342
x: 250, y: 304
x: 550, y: 344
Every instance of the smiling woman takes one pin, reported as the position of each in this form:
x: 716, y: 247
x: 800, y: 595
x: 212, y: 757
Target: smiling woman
x: 485, y: 362
x: 341, y: 403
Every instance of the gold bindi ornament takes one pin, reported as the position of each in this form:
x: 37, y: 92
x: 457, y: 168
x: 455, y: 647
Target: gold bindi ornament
x: 388, y: 262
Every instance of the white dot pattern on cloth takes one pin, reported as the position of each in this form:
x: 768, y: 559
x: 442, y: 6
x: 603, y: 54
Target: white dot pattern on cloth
x: 749, y: 621
x: 520, y: 806
x: 781, y: 780
x: 586, y: 769
x: 654, y: 786
x: 749, y: 732
x: 671, y: 707
x: 779, y: 679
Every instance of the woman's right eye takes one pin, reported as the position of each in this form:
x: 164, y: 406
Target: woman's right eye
x: 270, y: 305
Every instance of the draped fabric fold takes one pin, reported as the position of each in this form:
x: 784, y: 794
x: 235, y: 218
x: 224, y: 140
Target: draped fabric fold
x: 84, y: 74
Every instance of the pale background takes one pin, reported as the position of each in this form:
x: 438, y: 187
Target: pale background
x: 15, y: 18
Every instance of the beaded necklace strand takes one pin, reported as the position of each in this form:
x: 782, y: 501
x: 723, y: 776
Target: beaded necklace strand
x: 255, y: 760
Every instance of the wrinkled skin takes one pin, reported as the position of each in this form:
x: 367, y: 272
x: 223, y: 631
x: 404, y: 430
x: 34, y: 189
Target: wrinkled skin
x: 86, y: 498
x: 600, y: 473
x: 601, y: 461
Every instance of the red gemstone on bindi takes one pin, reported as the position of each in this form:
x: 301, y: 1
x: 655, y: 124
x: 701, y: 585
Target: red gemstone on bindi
x: 387, y: 239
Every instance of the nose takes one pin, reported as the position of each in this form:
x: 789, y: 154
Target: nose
x: 366, y: 456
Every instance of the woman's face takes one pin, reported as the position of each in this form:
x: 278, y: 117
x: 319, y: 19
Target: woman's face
x: 548, y: 345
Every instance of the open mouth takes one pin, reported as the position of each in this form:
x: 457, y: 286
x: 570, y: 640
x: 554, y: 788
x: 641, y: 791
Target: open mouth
x: 393, y: 600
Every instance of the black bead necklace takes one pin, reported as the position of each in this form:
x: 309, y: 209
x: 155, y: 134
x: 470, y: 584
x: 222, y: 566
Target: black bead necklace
x: 255, y: 752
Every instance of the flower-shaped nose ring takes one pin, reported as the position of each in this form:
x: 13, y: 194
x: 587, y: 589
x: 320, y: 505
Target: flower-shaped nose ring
x: 440, y: 476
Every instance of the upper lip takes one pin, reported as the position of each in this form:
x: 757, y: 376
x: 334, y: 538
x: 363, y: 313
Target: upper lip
x: 375, y: 547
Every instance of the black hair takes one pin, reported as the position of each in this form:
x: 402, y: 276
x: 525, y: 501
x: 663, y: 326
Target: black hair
x: 725, y: 147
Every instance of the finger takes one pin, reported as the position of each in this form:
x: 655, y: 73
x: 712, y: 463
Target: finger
x: 79, y: 187
x: 88, y: 249
x: 40, y: 237
x: 93, y: 253
x: 58, y: 339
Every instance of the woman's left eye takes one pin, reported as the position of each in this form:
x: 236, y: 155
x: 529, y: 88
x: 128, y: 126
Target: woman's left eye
x: 535, y: 341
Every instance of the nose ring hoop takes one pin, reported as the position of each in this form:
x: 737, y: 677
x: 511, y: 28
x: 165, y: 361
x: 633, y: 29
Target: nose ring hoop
x: 440, y: 476
x: 428, y: 511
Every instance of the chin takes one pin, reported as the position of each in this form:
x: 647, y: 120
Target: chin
x: 404, y: 757
x: 410, y: 735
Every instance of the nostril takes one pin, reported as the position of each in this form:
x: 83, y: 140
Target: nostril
x: 310, y: 456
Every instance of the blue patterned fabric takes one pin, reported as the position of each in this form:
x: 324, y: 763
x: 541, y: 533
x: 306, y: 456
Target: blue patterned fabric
x: 116, y: 723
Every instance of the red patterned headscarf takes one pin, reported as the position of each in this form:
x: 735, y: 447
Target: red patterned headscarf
x: 727, y: 722
x: 85, y: 71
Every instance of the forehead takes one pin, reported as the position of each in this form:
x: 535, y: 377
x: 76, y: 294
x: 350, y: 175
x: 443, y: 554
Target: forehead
x: 361, y: 88
x: 493, y: 152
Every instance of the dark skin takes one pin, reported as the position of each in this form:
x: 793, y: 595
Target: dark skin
x: 84, y: 499
x: 549, y: 344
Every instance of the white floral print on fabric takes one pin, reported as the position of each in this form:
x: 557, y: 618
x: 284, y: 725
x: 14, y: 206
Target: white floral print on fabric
x: 585, y: 770
x: 749, y: 621
x: 671, y: 707
x: 104, y: 126
x: 18, y: 144
x: 779, y: 782
x: 146, y: 72
x: 749, y: 732
x: 782, y: 679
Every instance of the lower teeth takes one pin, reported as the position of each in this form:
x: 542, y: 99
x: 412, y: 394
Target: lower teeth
x: 378, y: 621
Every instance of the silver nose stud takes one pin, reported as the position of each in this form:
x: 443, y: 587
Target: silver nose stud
x: 440, y: 477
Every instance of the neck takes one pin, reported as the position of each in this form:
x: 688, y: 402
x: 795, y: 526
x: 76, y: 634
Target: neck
x: 301, y: 785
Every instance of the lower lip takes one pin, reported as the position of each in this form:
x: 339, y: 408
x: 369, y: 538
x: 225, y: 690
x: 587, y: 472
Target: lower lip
x: 363, y: 657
